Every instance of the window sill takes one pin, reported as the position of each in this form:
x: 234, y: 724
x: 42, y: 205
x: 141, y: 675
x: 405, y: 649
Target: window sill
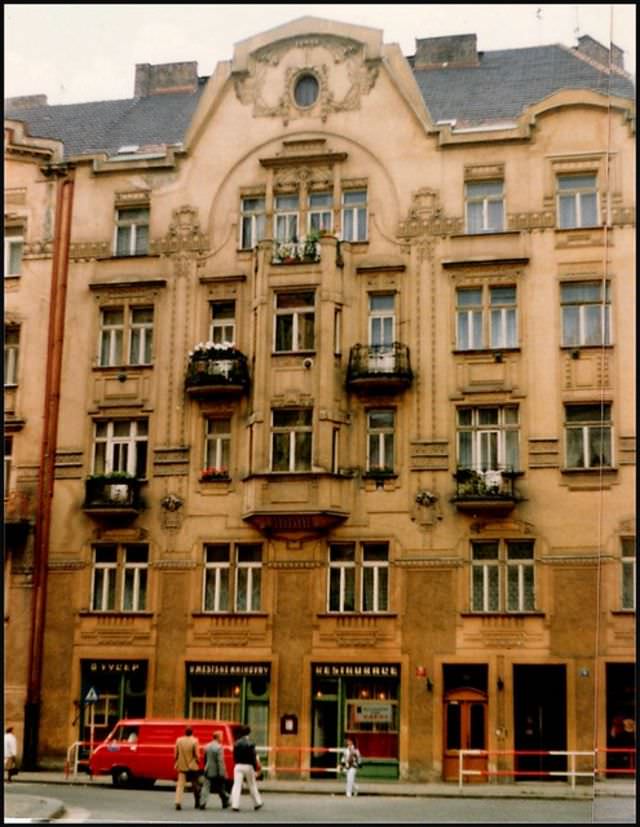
x: 623, y: 612
x: 133, y: 255
x: 12, y: 276
x: 609, y: 470
x: 574, y: 348
x: 532, y: 613
x: 484, y: 233
x: 117, y: 369
x: 293, y: 353
x: 485, y: 351
x: 579, y: 229
x: 321, y: 615
x: 230, y: 615
x: 113, y: 613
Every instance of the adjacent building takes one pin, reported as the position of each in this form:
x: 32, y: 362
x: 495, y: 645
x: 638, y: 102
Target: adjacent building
x: 346, y: 418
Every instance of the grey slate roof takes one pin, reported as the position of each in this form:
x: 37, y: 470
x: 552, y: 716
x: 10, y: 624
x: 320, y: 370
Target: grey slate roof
x: 503, y: 84
x: 507, y: 81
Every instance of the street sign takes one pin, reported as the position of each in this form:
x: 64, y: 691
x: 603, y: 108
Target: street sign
x: 91, y: 697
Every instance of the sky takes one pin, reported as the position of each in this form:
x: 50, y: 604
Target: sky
x: 88, y: 52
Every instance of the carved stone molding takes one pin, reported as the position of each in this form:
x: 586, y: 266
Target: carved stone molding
x: 183, y: 236
x: 425, y: 218
x: 541, y: 220
x: 38, y: 249
x: 89, y: 250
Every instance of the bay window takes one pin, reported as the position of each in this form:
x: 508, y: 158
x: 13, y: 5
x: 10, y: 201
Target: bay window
x: 291, y: 439
x: 294, y: 321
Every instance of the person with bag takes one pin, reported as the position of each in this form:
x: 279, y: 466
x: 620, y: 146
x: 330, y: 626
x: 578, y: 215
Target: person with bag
x: 10, y: 753
x: 215, y: 776
x: 188, y: 765
x: 350, y: 763
x: 247, y: 764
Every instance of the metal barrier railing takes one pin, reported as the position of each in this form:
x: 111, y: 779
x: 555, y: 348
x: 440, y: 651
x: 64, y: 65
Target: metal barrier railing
x: 570, y: 773
x: 73, y: 757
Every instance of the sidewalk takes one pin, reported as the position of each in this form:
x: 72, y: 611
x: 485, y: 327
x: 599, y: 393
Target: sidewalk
x: 19, y: 807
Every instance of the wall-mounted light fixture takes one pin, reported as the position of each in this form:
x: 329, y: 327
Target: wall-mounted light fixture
x: 500, y: 684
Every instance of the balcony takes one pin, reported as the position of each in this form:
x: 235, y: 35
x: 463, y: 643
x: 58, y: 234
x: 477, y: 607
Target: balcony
x: 18, y: 516
x: 491, y: 491
x: 296, y: 252
x: 216, y: 370
x: 113, y: 496
x: 379, y: 368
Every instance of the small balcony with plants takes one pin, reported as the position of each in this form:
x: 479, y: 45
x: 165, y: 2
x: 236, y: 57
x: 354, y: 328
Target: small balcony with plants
x: 216, y: 370
x: 490, y: 490
x: 297, y: 251
x: 113, y: 495
x: 379, y: 368
x: 220, y: 474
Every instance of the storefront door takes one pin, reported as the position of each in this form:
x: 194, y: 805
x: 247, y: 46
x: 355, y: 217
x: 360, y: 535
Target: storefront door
x: 465, y: 727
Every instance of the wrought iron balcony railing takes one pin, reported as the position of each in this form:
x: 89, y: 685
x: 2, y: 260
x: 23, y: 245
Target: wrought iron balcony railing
x: 386, y: 367
x: 294, y: 252
x: 217, y: 370
x: 489, y: 487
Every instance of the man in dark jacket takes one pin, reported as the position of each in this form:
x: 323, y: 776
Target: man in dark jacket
x: 215, y: 774
x: 246, y: 765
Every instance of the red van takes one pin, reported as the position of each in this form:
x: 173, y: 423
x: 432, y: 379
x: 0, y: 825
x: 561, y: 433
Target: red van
x: 142, y: 751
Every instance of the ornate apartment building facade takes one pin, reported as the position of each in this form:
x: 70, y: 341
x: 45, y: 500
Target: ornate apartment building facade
x: 335, y: 350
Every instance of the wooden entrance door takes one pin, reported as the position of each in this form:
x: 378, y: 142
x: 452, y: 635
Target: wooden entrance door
x: 465, y: 727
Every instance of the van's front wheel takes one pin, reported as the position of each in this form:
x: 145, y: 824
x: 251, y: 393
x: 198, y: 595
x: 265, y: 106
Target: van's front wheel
x: 121, y: 777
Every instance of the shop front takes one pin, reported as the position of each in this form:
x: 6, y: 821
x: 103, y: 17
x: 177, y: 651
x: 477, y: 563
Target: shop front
x: 359, y: 701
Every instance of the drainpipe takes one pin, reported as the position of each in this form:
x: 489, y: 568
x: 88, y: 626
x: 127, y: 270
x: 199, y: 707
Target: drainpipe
x: 59, y: 279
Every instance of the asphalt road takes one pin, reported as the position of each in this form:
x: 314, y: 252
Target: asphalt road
x: 102, y: 805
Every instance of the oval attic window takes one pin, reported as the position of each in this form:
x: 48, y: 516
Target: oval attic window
x: 306, y: 90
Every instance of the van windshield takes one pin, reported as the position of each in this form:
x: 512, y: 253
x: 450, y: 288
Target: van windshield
x: 124, y: 733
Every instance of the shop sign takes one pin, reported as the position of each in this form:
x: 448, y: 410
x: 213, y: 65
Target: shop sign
x: 356, y: 670
x: 113, y: 666
x: 242, y: 670
x: 377, y: 712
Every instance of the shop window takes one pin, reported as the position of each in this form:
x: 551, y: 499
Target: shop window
x: 294, y: 322
x: 502, y: 576
x: 13, y: 250
x: 588, y: 436
x: 121, y: 689
x: 291, y: 439
x: 586, y: 313
x: 121, y: 445
x: 120, y: 578
x: 252, y: 221
x: 488, y: 438
x: 485, y: 206
x: 354, y: 215
x: 222, y: 329
x: 126, y: 330
x: 628, y: 565
x: 232, y: 577
x: 11, y: 354
x: 486, y: 317
x: 358, y: 577
x: 577, y: 198
x: 216, y: 701
x: 132, y: 231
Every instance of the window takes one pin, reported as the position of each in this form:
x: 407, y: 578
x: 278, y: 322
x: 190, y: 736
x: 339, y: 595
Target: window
x: 358, y: 577
x: 577, y: 201
x: 122, y: 327
x: 380, y: 440
x: 586, y: 313
x: 320, y: 211
x: 291, y: 439
x: 588, y: 436
x: 382, y: 320
x: 294, y: 321
x: 285, y: 218
x: 628, y: 572
x: 222, y: 330
x: 485, y: 206
x: 11, y: 353
x: 306, y: 90
x: 232, y: 571
x: 8, y: 461
x: 217, y: 444
x: 488, y: 438
x: 486, y: 317
x: 120, y: 575
x: 13, y: 249
x: 489, y: 591
x: 121, y: 445
x: 252, y: 222
x: 354, y: 215
x: 132, y: 231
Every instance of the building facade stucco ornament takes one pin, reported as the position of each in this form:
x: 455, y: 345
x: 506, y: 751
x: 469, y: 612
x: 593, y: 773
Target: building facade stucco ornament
x: 184, y: 235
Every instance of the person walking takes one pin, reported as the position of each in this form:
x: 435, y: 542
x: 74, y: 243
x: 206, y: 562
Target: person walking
x: 215, y: 774
x: 187, y: 756
x: 10, y: 753
x: 351, y: 762
x: 247, y: 764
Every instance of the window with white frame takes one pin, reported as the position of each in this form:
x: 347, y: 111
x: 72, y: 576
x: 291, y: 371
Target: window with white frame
x: 286, y: 215
x: 358, y: 578
x: 488, y: 438
x: 320, y: 212
x: 486, y: 317
x: 217, y: 445
x: 132, y: 231
x: 291, y: 439
x: 11, y: 354
x: 588, y: 430
x: 354, y: 215
x: 380, y: 440
x: 121, y: 445
x: 222, y: 328
x: 13, y: 250
x: 126, y: 330
x: 484, y: 206
x: 577, y: 197
x: 382, y: 320
x: 628, y: 556
x: 294, y: 321
x: 120, y: 578
x: 232, y: 577
x: 252, y: 221
x: 502, y: 576
x: 586, y: 313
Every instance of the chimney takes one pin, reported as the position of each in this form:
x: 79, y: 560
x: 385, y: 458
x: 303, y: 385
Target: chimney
x: 163, y: 78
x: 590, y: 48
x: 452, y: 50
x: 25, y: 102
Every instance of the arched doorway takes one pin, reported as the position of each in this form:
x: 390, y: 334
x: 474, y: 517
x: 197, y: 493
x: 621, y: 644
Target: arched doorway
x: 465, y: 727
